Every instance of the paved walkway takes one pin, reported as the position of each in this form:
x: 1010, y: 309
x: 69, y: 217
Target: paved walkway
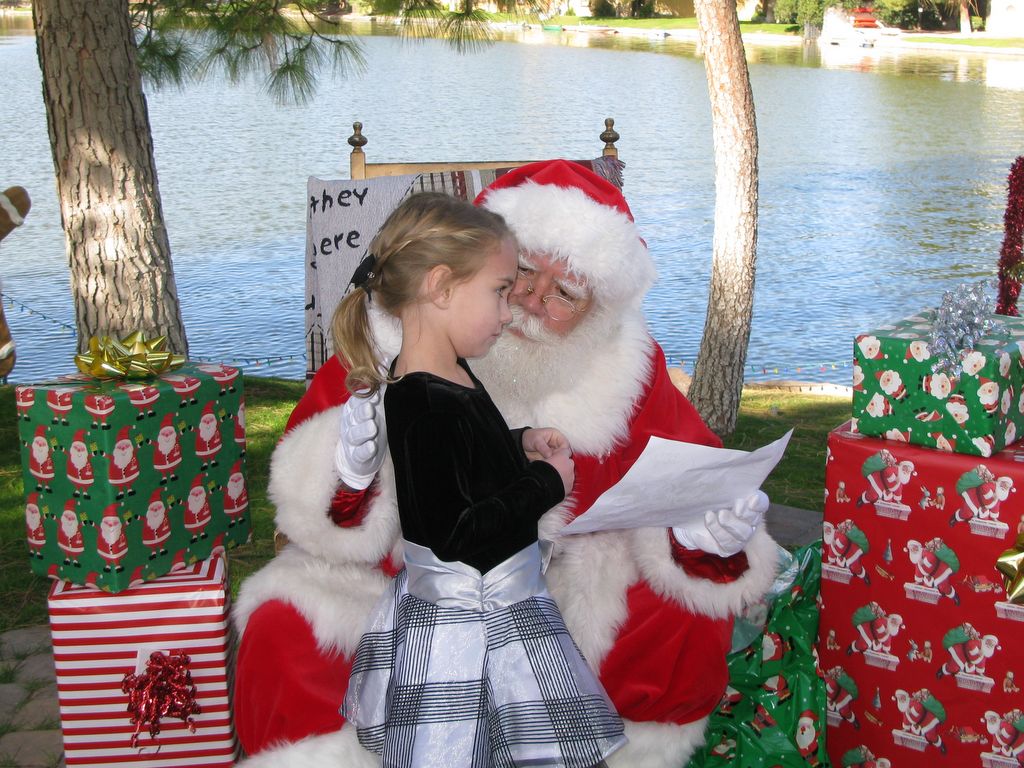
x: 30, y: 717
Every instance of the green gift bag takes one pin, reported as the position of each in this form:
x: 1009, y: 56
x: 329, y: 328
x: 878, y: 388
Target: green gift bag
x: 773, y: 712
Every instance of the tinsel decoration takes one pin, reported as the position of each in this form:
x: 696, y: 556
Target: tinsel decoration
x: 1011, y: 258
x: 165, y: 689
x: 964, y: 317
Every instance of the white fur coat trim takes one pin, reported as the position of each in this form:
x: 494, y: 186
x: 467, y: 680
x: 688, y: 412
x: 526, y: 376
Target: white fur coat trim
x: 597, y: 242
x: 303, y: 480
x: 334, y: 599
x: 659, y: 745
x: 340, y: 749
x: 653, y: 553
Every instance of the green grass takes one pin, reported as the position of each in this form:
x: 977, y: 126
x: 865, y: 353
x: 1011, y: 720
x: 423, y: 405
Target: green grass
x: 764, y: 416
x: 986, y: 42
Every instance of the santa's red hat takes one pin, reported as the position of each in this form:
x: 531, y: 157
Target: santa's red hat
x: 208, y: 408
x: 33, y: 499
x: 197, y: 481
x: 168, y: 421
x: 79, y: 437
x: 111, y: 511
x: 69, y: 505
x: 41, y: 431
x: 236, y: 467
x: 122, y: 434
x: 563, y: 209
x: 155, y: 497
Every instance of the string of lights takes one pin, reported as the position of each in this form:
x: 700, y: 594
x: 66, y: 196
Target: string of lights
x: 26, y: 309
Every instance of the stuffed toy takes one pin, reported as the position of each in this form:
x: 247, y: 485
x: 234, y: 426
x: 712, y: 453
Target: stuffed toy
x: 14, y: 205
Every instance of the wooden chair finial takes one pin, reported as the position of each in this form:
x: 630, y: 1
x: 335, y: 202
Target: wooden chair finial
x: 609, y: 136
x: 357, y: 158
x: 357, y: 141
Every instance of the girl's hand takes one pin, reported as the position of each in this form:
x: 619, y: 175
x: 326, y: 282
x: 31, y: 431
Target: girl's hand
x: 562, y: 461
x: 540, y: 444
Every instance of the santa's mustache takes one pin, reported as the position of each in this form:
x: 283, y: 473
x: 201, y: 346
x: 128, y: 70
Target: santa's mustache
x: 531, y: 326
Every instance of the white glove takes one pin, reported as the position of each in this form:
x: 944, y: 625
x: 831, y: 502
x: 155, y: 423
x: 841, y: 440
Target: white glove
x: 724, y: 532
x: 362, y: 440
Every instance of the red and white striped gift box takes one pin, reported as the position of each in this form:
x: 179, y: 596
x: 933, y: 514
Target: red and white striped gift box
x: 99, y: 636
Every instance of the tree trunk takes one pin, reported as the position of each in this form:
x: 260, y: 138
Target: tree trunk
x: 965, y: 17
x: 718, y: 380
x: 122, y: 279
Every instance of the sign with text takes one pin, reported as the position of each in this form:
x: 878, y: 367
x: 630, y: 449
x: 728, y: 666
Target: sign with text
x: 342, y: 218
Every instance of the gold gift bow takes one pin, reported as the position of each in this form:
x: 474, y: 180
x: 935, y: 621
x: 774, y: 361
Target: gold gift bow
x: 133, y: 357
x: 1011, y: 565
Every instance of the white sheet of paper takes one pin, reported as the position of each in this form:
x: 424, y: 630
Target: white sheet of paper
x: 673, y: 482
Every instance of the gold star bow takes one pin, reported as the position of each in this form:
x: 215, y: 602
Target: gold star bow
x: 133, y: 357
x: 1011, y: 565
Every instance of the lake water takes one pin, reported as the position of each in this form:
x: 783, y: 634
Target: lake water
x: 883, y: 181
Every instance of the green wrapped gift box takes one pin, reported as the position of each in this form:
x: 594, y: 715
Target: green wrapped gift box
x: 128, y: 480
x: 901, y: 393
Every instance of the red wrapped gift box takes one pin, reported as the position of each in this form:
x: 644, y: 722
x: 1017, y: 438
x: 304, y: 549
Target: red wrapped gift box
x: 920, y: 648
x: 99, y: 637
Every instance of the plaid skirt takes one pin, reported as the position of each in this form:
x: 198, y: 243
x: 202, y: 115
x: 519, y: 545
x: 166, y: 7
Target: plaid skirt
x: 469, y: 671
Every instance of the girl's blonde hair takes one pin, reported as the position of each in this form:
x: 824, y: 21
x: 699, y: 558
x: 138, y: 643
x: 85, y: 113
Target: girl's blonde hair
x: 428, y: 229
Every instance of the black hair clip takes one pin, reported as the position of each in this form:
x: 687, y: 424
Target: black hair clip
x: 364, y: 272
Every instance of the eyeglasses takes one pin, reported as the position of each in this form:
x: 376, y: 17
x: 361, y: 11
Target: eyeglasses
x: 558, y: 308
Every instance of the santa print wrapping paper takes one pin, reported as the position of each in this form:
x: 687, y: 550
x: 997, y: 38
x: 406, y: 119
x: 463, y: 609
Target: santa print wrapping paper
x: 920, y: 649
x: 98, y: 637
x: 124, y: 480
x: 773, y: 712
x: 898, y: 394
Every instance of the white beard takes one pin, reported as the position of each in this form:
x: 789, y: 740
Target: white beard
x: 111, y: 532
x: 78, y: 455
x: 69, y: 525
x: 235, y: 487
x: 123, y: 456
x: 165, y: 442
x: 40, y: 451
x: 196, y: 501
x: 155, y: 517
x: 32, y: 518
x: 583, y: 384
x: 207, y: 426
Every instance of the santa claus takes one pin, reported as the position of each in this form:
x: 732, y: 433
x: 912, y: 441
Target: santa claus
x: 79, y: 468
x: 123, y: 467
x: 112, y: 544
x: 40, y: 460
x: 184, y: 386
x: 650, y: 608
x: 25, y: 398
x: 167, y: 450
x: 197, y: 509
x: 59, y: 401
x: 100, y: 406
x: 240, y: 427
x: 807, y: 737
x: 236, y: 498
x: 34, y: 529
x: 143, y: 397
x: 208, y: 441
x: 69, y: 535
x: 156, y: 528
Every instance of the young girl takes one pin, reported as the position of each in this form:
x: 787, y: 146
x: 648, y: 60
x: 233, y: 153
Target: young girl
x: 466, y: 662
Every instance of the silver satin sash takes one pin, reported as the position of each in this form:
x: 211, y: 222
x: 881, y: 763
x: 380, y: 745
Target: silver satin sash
x: 457, y: 585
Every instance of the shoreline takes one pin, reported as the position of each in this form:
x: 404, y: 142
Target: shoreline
x: 901, y: 41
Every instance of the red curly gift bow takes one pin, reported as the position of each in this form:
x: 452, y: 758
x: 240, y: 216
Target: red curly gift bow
x: 165, y: 689
x: 1011, y: 264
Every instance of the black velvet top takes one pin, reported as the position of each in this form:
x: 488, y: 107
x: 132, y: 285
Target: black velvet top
x: 465, y: 487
